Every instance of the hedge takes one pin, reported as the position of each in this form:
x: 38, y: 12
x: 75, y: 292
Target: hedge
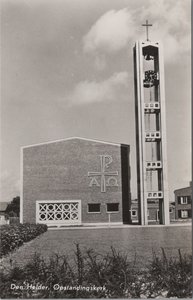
x: 13, y: 236
x: 112, y: 274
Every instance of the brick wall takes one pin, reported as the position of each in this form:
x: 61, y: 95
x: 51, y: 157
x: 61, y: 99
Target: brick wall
x: 59, y: 171
x: 179, y: 206
x: 152, y: 212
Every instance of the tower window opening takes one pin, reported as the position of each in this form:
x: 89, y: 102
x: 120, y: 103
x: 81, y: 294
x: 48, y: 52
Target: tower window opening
x: 134, y: 213
x: 148, y: 57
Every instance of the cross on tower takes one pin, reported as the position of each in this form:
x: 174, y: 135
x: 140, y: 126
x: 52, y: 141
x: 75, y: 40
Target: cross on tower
x: 147, y: 28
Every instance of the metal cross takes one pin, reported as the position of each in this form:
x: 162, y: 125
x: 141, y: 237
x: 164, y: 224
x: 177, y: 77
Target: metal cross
x: 106, y: 160
x: 147, y: 28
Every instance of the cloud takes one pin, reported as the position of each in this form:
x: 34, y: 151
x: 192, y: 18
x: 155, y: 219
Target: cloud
x: 114, y: 30
x: 111, y: 32
x: 111, y: 89
x: 100, y: 62
x: 171, y: 25
x: 4, y: 175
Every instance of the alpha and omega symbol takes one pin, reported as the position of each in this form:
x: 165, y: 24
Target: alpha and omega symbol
x: 106, y: 177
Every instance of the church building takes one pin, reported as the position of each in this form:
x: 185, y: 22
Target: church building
x: 75, y: 181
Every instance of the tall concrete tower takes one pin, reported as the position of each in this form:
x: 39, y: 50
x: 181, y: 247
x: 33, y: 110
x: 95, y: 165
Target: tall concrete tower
x: 150, y: 129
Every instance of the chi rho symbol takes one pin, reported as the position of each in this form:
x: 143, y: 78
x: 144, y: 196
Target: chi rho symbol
x: 106, y: 177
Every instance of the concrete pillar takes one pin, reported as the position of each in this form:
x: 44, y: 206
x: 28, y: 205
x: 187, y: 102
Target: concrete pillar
x: 154, y: 51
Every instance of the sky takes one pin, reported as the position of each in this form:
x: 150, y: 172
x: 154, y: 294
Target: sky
x: 67, y: 70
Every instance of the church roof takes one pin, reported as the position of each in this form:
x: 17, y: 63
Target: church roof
x: 73, y: 138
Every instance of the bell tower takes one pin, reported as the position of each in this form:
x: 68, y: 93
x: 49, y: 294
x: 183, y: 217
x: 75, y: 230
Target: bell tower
x: 150, y: 115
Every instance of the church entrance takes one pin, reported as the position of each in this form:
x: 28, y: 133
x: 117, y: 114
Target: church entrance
x: 58, y: 212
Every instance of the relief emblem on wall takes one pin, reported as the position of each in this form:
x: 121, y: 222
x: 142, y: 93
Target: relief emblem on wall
x: 104, y: 178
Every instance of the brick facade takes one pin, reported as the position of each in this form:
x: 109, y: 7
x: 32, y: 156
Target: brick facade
x: 183, y: 203
x: 153, y: 212
x: 59, y: 171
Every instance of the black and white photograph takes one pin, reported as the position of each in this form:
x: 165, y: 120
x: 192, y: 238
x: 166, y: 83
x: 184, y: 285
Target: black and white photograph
x: 96, y: 182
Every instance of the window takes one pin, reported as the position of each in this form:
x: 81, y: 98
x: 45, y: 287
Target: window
x: 184, y: 200
x: 171, y: 210
x: 112, y: 207
x: 179, y: 199
x: 184, y: 213
x: 94, y: 208
x: 133, y: 213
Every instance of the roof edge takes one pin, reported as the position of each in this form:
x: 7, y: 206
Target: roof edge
x: 72, y: 138
x: 186, y: 187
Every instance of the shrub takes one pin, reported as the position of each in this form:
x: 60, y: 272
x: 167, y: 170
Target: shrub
x: 170, y: 277
x: 13, y: 236
x: 163, y: 277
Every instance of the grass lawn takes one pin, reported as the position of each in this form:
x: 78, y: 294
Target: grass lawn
x: 140, y: 241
